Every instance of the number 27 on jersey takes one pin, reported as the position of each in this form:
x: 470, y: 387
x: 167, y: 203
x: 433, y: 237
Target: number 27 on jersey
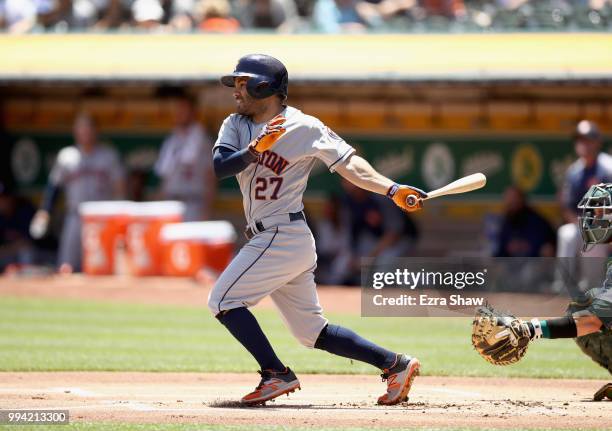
x: 267, y: 188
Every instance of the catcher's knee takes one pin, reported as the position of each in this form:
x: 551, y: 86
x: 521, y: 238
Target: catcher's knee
x: 597, y: 346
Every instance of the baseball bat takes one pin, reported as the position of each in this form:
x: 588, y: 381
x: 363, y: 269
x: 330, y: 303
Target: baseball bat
x: 462, y: 185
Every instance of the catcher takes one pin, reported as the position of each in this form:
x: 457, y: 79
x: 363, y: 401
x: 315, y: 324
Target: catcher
x: 502, y: 339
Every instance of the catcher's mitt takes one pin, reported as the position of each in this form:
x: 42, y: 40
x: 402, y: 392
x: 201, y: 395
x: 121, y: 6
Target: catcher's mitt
x: 501, y: 339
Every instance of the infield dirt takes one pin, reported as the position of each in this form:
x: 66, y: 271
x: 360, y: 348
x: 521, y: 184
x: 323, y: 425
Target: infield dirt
x: 326, y: 400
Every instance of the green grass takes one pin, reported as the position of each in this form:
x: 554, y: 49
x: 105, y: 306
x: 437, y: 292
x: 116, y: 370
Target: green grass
x: 55, y: 335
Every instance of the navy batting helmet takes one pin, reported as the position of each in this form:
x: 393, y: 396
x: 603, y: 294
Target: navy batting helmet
x: 268, y: 76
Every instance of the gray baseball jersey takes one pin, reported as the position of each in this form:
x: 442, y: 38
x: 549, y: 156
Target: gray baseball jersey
x: 277, y: 183
x: 184, y: 165
x: 84, y: 177
x: 280, y: 260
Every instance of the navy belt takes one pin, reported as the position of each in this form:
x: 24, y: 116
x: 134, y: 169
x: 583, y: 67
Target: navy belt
x: 250, y: 233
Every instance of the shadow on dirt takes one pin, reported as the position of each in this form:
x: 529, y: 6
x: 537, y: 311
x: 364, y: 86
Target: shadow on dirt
x: 271, y: 405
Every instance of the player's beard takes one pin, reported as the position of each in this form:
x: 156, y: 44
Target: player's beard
x: 249, y: 106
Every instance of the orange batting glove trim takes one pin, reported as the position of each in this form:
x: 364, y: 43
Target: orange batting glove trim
x: 409, y: 199
x: 271, y: 132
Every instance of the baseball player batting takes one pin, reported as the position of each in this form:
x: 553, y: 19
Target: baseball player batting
x: 503, y: 339
x: 271, y: 148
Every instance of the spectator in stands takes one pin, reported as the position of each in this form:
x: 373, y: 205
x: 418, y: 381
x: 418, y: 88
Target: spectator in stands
x: 279, y: 15
x: 332, y: 16
x: 336, y: 16
x: 510, y: 4
x: 185, y: 163
x: 451, y: 9
x: 592, y: 167
x: 304, y: 8
x: 2, y: 16
x: 62, y: 15
x: 55, y: 14
x: 378, y: 229
x: 87, y: 13
x: 181, y: 14
x: 16, y: 246
x: 390, y: 9
x: 215, y: 16
x: 87, y: 171
x: 112, y: 14
x: 147, y: 14
x: 523, y: 232
x: 333, y: 243
x: 18, y: 16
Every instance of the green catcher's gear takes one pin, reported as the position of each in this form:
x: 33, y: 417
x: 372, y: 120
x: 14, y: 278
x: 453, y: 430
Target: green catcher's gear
x: 598, y: 345
x: 595, y: 221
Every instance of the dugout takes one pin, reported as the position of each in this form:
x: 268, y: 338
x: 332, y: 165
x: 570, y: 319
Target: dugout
x: 424, y: 108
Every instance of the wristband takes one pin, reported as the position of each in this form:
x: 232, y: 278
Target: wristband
x: 537, y: 329
x: 254, y: 152
x: 392, y: 190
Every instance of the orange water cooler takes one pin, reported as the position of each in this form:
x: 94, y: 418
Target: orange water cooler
x: 191, y: 247
x: 146, y: 220
x: 103, y: 226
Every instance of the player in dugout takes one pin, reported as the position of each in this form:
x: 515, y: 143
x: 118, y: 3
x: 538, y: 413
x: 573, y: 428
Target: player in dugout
x: 86, y: 171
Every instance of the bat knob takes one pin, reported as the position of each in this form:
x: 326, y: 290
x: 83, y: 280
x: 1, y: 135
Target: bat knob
x: 411, y: 201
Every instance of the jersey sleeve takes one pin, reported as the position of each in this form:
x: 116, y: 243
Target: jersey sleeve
x: 162, y: 159
x: 57, y: 174
x: 228, y: 135
x: 66, y: 157
x: 571, y: 189
x: 566, y: 192
x: 328, y: 147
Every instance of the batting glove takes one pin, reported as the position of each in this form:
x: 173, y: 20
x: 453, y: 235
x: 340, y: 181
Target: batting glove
x: 269, y: 135
x: 408, y: 198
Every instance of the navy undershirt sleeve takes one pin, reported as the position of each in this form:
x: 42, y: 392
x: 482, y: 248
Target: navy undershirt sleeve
x: 228, y: 163
x: 49, y: 197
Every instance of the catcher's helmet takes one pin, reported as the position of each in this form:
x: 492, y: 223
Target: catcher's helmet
x: 596, y: 218
x: 268, y: 76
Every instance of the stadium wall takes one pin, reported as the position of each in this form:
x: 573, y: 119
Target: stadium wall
x: 438, y: 117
